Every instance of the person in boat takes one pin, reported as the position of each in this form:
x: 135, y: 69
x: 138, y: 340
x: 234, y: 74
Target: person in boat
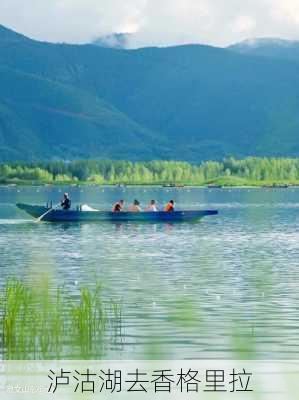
x: 118, y: 207
x: 66, y: 202
x: 169, y: 206
x: 152, y: 206
x: 135, y: 207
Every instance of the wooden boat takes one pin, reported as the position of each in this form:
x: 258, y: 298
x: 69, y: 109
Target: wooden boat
x: 59, y: 215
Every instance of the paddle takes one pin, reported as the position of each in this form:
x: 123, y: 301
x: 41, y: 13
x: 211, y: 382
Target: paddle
x: 39, y: 219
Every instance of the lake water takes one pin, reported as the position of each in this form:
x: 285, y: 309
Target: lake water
x: 226, y: 287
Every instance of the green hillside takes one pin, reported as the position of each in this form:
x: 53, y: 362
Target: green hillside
x: 187, y: 102
x: 43, y: 119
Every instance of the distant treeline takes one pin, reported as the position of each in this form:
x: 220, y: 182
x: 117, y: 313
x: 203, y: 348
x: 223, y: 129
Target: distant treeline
x: 250, y: 170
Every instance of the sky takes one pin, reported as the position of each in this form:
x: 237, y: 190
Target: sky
x: 153, y: 22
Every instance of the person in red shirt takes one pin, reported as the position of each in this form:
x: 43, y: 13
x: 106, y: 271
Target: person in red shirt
x: 169, y: 206
x: 118, y: 206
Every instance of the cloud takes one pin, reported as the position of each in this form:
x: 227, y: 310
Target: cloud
x: 286, y: 11
x: 174, y: 22
x: 243, y: 23
x: 153, y: 22
x: 70, y: 20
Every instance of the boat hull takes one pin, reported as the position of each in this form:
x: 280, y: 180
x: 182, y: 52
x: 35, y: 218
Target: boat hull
x: 100, y: 216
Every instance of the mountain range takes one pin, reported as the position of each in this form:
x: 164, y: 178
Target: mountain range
x: 269, y: 47
x: 192, y: 102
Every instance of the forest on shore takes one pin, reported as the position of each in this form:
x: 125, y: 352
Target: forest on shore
x: 251, y: 171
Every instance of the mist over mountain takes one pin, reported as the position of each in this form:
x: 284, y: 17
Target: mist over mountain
x: 269, y: 47
x: 115, y: 41
x: 187, y: 102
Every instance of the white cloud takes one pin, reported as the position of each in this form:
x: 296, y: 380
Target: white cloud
x: 156, y: 22
x: 172, y: 21
x: 70, y: 20
x: 286, y: 11
x: 243, y: 23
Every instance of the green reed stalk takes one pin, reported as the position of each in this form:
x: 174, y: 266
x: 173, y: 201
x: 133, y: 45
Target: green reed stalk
x: 40, y: 323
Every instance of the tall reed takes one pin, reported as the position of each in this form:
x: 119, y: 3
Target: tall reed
x: 42, y: 323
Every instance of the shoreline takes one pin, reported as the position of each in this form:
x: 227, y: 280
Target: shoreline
x: 249, y: 172
x: 210, y: 186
